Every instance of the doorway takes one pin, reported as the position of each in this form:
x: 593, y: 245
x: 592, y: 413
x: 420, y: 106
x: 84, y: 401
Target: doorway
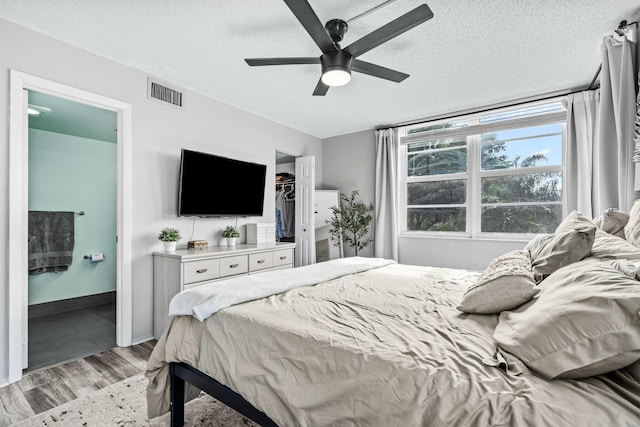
x: 72, y: 174
x: 17, y: 301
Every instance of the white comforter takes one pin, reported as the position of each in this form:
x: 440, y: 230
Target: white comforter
x: 203, y: 301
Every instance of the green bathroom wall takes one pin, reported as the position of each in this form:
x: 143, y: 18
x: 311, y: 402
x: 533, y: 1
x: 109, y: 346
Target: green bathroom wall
x: 70, y: 173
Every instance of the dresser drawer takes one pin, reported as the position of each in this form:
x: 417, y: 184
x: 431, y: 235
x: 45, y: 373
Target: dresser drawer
x: 260, y: 261
x: 199, y: 271
x: 232, y: 265
x: 282, y: 257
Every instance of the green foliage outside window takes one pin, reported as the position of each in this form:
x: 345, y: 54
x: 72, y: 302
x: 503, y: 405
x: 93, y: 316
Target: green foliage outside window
x: 436, y: 158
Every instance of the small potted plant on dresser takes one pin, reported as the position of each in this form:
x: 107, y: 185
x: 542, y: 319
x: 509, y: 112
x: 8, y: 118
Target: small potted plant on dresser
x: 169, y: 237
x: 231, y: 234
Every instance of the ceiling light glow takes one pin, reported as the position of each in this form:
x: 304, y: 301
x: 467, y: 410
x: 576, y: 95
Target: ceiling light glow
x: 336, y: 77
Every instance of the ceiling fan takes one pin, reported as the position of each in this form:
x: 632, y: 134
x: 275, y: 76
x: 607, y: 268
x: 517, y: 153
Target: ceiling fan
x: 337, y: 63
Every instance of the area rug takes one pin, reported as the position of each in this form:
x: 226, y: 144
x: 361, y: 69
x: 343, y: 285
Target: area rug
x: 124, y: 404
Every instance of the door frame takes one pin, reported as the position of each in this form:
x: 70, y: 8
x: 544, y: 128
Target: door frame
x: 17, y: 262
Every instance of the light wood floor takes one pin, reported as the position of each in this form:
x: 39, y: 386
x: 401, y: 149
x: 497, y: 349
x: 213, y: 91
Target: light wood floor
x: 49, y: 387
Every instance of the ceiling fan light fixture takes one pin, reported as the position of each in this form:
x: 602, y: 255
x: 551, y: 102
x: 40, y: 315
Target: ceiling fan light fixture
x: 336, y: 76
x: 337, y: 63
x: 336, y: 68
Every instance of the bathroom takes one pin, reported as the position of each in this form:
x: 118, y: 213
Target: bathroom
x: 72, y: 175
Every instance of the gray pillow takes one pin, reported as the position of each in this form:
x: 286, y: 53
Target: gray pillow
x: 584, y: 321
x: 550, y: 252
x: 612, y: 221
x: 505, y: 284
x: 605, y: 245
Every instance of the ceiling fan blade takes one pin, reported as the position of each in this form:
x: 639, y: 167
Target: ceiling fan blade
x: 394, y: 28
x: 310, y: 21
x: 378, y: 71
x: 321, y: 89
x: 282, y: 61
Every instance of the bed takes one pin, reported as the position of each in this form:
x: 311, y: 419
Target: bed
x: 545, y: 336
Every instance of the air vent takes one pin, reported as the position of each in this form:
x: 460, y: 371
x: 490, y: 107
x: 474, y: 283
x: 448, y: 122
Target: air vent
x: 160, y: 91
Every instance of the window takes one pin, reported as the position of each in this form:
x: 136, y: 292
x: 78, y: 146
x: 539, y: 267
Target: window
x: 484, y: 174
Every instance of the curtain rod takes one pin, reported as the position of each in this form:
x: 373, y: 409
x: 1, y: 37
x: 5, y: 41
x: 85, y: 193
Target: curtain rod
x: 505, y: 104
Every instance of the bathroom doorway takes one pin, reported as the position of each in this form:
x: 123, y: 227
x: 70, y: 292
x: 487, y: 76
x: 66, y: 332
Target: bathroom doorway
x: 72, y: 203
x: 17, y: 298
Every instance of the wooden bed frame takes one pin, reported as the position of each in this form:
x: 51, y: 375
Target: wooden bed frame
x: 181, y: 372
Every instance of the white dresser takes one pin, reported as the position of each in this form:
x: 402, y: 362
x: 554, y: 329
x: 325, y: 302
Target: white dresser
x: 185, y: 268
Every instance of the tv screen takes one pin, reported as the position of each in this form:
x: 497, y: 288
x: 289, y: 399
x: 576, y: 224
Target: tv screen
x: 211, y: 186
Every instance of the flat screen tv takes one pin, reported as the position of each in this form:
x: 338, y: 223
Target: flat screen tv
x: 216, y: 186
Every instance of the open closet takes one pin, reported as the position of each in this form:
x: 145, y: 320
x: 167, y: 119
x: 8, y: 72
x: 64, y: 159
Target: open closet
x: 322, y: 201
x: 285, y: 197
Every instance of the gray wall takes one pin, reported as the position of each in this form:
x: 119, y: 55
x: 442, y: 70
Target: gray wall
x: 159, y: 131
x: 349, y: 165
x: 349, y: 162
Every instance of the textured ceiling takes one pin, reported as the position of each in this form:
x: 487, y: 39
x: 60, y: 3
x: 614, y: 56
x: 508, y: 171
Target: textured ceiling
x: 472, y: 53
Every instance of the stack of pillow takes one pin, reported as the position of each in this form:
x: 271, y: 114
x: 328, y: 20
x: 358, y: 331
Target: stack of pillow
x: 569, y: 302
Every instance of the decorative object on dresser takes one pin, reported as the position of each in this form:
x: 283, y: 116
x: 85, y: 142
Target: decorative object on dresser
x: 188, y: 268
x: 261, y: 233
x: 170, y: 237
x: 231, y: 233
x: 197, y: 244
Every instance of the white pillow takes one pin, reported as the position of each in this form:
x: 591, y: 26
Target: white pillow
x: 505, y: 284
x: 585, y: 321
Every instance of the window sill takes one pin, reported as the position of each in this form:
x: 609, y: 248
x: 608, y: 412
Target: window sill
x: 464, y: 236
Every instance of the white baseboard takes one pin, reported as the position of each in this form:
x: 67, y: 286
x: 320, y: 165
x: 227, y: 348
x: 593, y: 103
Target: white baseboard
x: 140, y: 340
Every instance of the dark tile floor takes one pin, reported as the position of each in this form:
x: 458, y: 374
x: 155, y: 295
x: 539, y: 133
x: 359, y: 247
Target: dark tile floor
x: 61, y: 337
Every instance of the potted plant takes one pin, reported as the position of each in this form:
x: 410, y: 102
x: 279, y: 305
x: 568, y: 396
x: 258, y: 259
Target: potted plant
x: 350, y: 222
x: 169, y: 237
x: 231, y: 233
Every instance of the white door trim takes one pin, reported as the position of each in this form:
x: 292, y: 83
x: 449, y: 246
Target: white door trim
x: 18, y: 210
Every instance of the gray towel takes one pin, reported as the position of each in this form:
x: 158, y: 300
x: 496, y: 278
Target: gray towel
x: 51, y: 241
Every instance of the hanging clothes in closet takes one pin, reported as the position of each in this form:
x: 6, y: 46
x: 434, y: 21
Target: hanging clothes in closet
x: 285, y: 207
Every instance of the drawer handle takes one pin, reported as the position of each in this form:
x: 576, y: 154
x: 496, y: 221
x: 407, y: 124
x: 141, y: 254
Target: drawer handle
x: 283, y: 257
x: 234, y: 265
x: 260, y: 261
x: 202, y: 270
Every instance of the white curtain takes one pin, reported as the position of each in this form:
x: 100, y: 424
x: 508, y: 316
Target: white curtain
x: 600, y: 133
x: 618, y: 89
x: 582, y: 128
x: 385, y: 237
